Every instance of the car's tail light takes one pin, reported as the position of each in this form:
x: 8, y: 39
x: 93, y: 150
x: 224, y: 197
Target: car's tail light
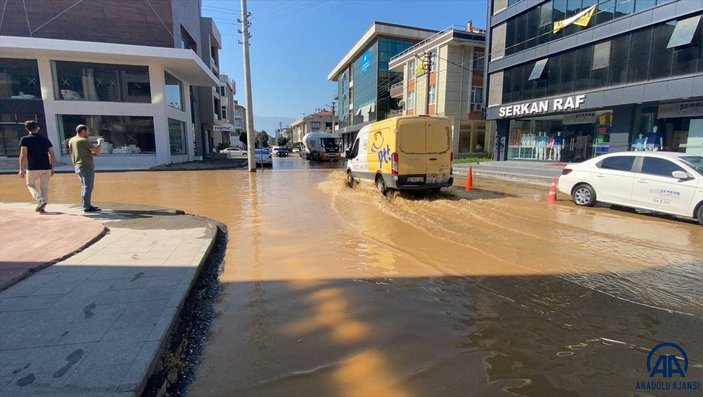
x: 394, y: 164
x: 566, y: 171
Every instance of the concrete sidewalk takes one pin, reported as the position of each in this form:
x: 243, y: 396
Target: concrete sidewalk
x: 533, y: 172
x: 95, y: 323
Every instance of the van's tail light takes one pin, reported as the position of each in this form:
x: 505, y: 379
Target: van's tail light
x: 394, y: 164
x: 566, y: 171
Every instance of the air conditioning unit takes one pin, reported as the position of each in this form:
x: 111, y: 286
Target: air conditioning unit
x: 476, y: 107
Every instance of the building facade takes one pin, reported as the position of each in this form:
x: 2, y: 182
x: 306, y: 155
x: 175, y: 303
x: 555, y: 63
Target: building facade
x: 569, y: 80
x: 443, y: 75
x: 210, y: 100
x: 77, y: 66
x: 318, y: 121
x: 364, y: 78
x: 223, y: 133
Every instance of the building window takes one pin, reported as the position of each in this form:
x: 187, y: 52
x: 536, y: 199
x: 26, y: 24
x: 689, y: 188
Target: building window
x: 411, y: 100
x: 174, y: 92
x: 19, y: 79
x: 224, y: 112
x: 433, y: 92
x: 122, y: 134
x: 477, y: 60
x: 684, y: 31
x: 411, y: 68
x: 476, y: 99
x: 101, y: 82
x: 315, y: 125
x: 538, y: 69
x: 177, y: 136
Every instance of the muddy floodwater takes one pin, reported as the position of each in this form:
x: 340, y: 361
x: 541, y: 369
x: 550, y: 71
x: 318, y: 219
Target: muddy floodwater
x: 333, y: 291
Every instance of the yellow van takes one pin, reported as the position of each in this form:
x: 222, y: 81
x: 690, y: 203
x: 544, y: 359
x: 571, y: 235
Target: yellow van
x: 404, y: 152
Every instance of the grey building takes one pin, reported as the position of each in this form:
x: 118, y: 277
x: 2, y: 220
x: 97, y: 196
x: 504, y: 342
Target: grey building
x: 569, y: 80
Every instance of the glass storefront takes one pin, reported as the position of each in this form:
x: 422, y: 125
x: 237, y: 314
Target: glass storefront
x: 122, y: 134
x: 177, y: 136
x: 80, y: 81
x: 565, y: 138
x: 19, y: 79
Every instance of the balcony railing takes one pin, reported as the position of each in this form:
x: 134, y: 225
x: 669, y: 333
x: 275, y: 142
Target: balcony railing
x: 396, y: 90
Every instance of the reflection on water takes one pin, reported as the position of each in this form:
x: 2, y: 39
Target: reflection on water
x: 334, y: 291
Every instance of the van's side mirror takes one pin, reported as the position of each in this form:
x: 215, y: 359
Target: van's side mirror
x: 347, y: 153
x: 680, y: 175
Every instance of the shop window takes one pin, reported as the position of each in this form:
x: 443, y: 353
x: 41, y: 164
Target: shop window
x: 659, y: 167
x: 660, y: 37
x: 122, y: 134
x: 80, y: 81
x: 177, y: 137
x: 684, y: 32
x: 618, y: 163
x: 538, y: 69
x: 174, y: 92
x: 19, y: 79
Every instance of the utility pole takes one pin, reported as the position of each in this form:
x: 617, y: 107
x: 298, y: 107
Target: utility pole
x: 333, y: 117
x: 247, y: 86
x: 427, y: 63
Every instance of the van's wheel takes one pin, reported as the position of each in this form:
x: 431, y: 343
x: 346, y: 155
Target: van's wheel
x: 584, y: 195
x: 700, y: 214
x: 350, y: 179
x: 381, y: 185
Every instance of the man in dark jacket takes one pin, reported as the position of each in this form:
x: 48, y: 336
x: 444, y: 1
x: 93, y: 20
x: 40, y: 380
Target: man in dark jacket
x: 37, y: 162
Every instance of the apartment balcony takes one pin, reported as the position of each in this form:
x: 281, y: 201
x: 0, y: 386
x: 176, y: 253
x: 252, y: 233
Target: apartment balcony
x: 396, y: 90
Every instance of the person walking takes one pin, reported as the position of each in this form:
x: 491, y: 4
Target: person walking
x: 37, y: 162
x: 82, y: 153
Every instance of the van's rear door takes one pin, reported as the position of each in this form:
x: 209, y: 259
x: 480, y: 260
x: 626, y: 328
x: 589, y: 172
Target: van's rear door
x: 412, y: 158
x: 438, y: 135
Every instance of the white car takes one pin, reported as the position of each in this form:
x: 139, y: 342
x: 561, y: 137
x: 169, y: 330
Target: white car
x: 263, y: 156
x: 666, y: 182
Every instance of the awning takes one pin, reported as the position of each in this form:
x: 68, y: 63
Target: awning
x: 223, y: 128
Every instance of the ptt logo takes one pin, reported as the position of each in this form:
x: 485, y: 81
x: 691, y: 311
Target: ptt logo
x: 384, y: 156
x: 667, y: 364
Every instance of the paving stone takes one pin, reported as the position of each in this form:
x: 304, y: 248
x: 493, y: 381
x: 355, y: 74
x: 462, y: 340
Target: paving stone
x: 95, y: 380
x: 137, y: 321
x: 92, y: 324
x: 134, y: 377
x: 56, y: 361
x: 30, y: 285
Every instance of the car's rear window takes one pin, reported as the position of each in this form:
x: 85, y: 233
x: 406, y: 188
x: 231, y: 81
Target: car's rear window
x: 619, y: 163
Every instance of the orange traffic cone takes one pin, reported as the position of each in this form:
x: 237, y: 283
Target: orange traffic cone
x: 552, y: 196
x: 469, y: 180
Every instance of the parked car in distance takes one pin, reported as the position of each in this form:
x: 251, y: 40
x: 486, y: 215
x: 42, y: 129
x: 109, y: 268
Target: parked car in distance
x: 280, y: 151
x: 234, y: 152
x: 263, y: 156
x: 665, y: 182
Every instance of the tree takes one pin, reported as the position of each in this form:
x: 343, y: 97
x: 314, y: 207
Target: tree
x: 262, y: 139
x: 282, y: 141
x: 243, y: 137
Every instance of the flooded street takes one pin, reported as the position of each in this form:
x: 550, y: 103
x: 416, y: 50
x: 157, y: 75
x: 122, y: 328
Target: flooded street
x: 329, y: 290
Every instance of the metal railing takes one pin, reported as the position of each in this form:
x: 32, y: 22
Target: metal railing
x: 396, y: 90
x: 434, y: 36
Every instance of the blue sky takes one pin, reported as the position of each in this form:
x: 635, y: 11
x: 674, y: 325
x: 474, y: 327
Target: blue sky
x: 296, y: 43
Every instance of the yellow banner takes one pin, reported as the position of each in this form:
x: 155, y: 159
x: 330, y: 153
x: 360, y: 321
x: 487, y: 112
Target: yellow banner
x: 580, y: 19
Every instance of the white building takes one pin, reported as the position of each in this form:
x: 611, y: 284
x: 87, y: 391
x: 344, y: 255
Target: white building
x: 135, y: 97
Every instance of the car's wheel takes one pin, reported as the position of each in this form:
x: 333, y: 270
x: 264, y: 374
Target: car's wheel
x: 350, y: 179
x: 699, y: 215
x: 584, y: 195
x: 381, y: 185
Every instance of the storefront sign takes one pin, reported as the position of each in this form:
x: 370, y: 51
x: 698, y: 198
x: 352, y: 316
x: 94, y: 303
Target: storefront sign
x: 545, y: 106
x: 223, y: 128
x: 681, y: 109
x: 579, y: 118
